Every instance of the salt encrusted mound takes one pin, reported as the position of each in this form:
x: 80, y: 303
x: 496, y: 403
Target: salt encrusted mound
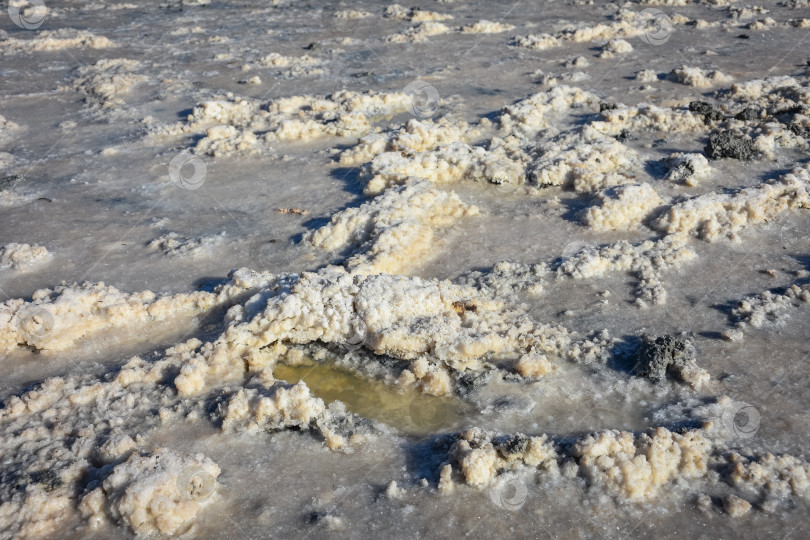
x: 583, y: 159
x: 22, y: 256
x: 531, y: 115
x: 614, y: 47
x: 699, y: 78
x: 486, y: 27
x: 687, y: 168
x: 447, y: 164
x: 154, y: 493
x: 414, y: 136
x: 56, y: 318
x: 270, y: 408
x: 394, y: 231
x: 479, y: 455
x: 54, y: 40
x: 628, y: 466
x: 626, y: 23
x: 538, y: 42
x: 440, y: 327
x: 768, y: 307
x: 646, y: 259
x: 623, y: 207
x: 631, y: 467
x: 106, y: 82
x: 646, y: 116
x: 270, y: 405
x: 234, y: 125
x: 419, y: 33
x: 415, y: 14
x: 638, y: 467
x: 723, y: 215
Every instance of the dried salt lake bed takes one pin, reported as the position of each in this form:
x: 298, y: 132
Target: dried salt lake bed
x: 342, y: 270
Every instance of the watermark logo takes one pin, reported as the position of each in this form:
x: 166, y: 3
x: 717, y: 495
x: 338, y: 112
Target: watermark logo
x: 741, y: 420
x: 118, y: 409
x: 657, y: 26
x: 196, y: 484
x: 29, y: 14
x: 424, y: 98
x: 572, y: 249
x: 427, y: 414
x: 357, y: 334
x: 187, y: 171
x: 343, y: 22
x: 35, y: 324
x: 509, y: 493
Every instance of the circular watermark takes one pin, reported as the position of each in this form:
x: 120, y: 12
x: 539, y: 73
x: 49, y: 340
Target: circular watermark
x: 187, y: 171
x: 509, y: 493
x: 424, y: 98
x: 28, y: 15
x: 741, y: 420
x: 356, y: 336
x: 572, y: 249
x: 343, y: 22
x: 35, y: 323
x: 264, y: 251
x: 427, y: 414
x: 116, y: 407
x: 657, y: 26
x: 196, y: 484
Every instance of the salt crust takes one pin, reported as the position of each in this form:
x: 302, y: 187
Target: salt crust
x: 395, y: 230
x: 699, y: 78
x: 55, y: 40
x: 723, y: 215
x: 769, y: 308
x: 632, y: 467
x: 106, y: 82
x: 441, y: 329
x: 22, y: 256
x: 161, y: 492
x: 647, y: 260
x: 56, y: 318
x: 231, y: 124
x: 623, y: 207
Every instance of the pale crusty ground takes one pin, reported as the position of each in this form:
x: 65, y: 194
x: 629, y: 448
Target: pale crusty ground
x: 81, y: 446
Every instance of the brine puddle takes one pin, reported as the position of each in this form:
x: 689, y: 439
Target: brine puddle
x: 407, y: 411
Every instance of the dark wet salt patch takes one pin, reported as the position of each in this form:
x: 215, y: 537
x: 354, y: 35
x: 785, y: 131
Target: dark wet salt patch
x: 407, y: 411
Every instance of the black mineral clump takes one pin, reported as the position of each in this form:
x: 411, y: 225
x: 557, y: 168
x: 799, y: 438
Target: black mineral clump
x: 623, y: 136
x: 665, y: 355
x: 709, y: 113
x: 798, y: 130
x: 727, y: 144
x: 747, y: 115
x: 509, y: 446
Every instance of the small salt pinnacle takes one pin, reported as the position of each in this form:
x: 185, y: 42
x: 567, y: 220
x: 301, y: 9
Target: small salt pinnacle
x: 298, y: 211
